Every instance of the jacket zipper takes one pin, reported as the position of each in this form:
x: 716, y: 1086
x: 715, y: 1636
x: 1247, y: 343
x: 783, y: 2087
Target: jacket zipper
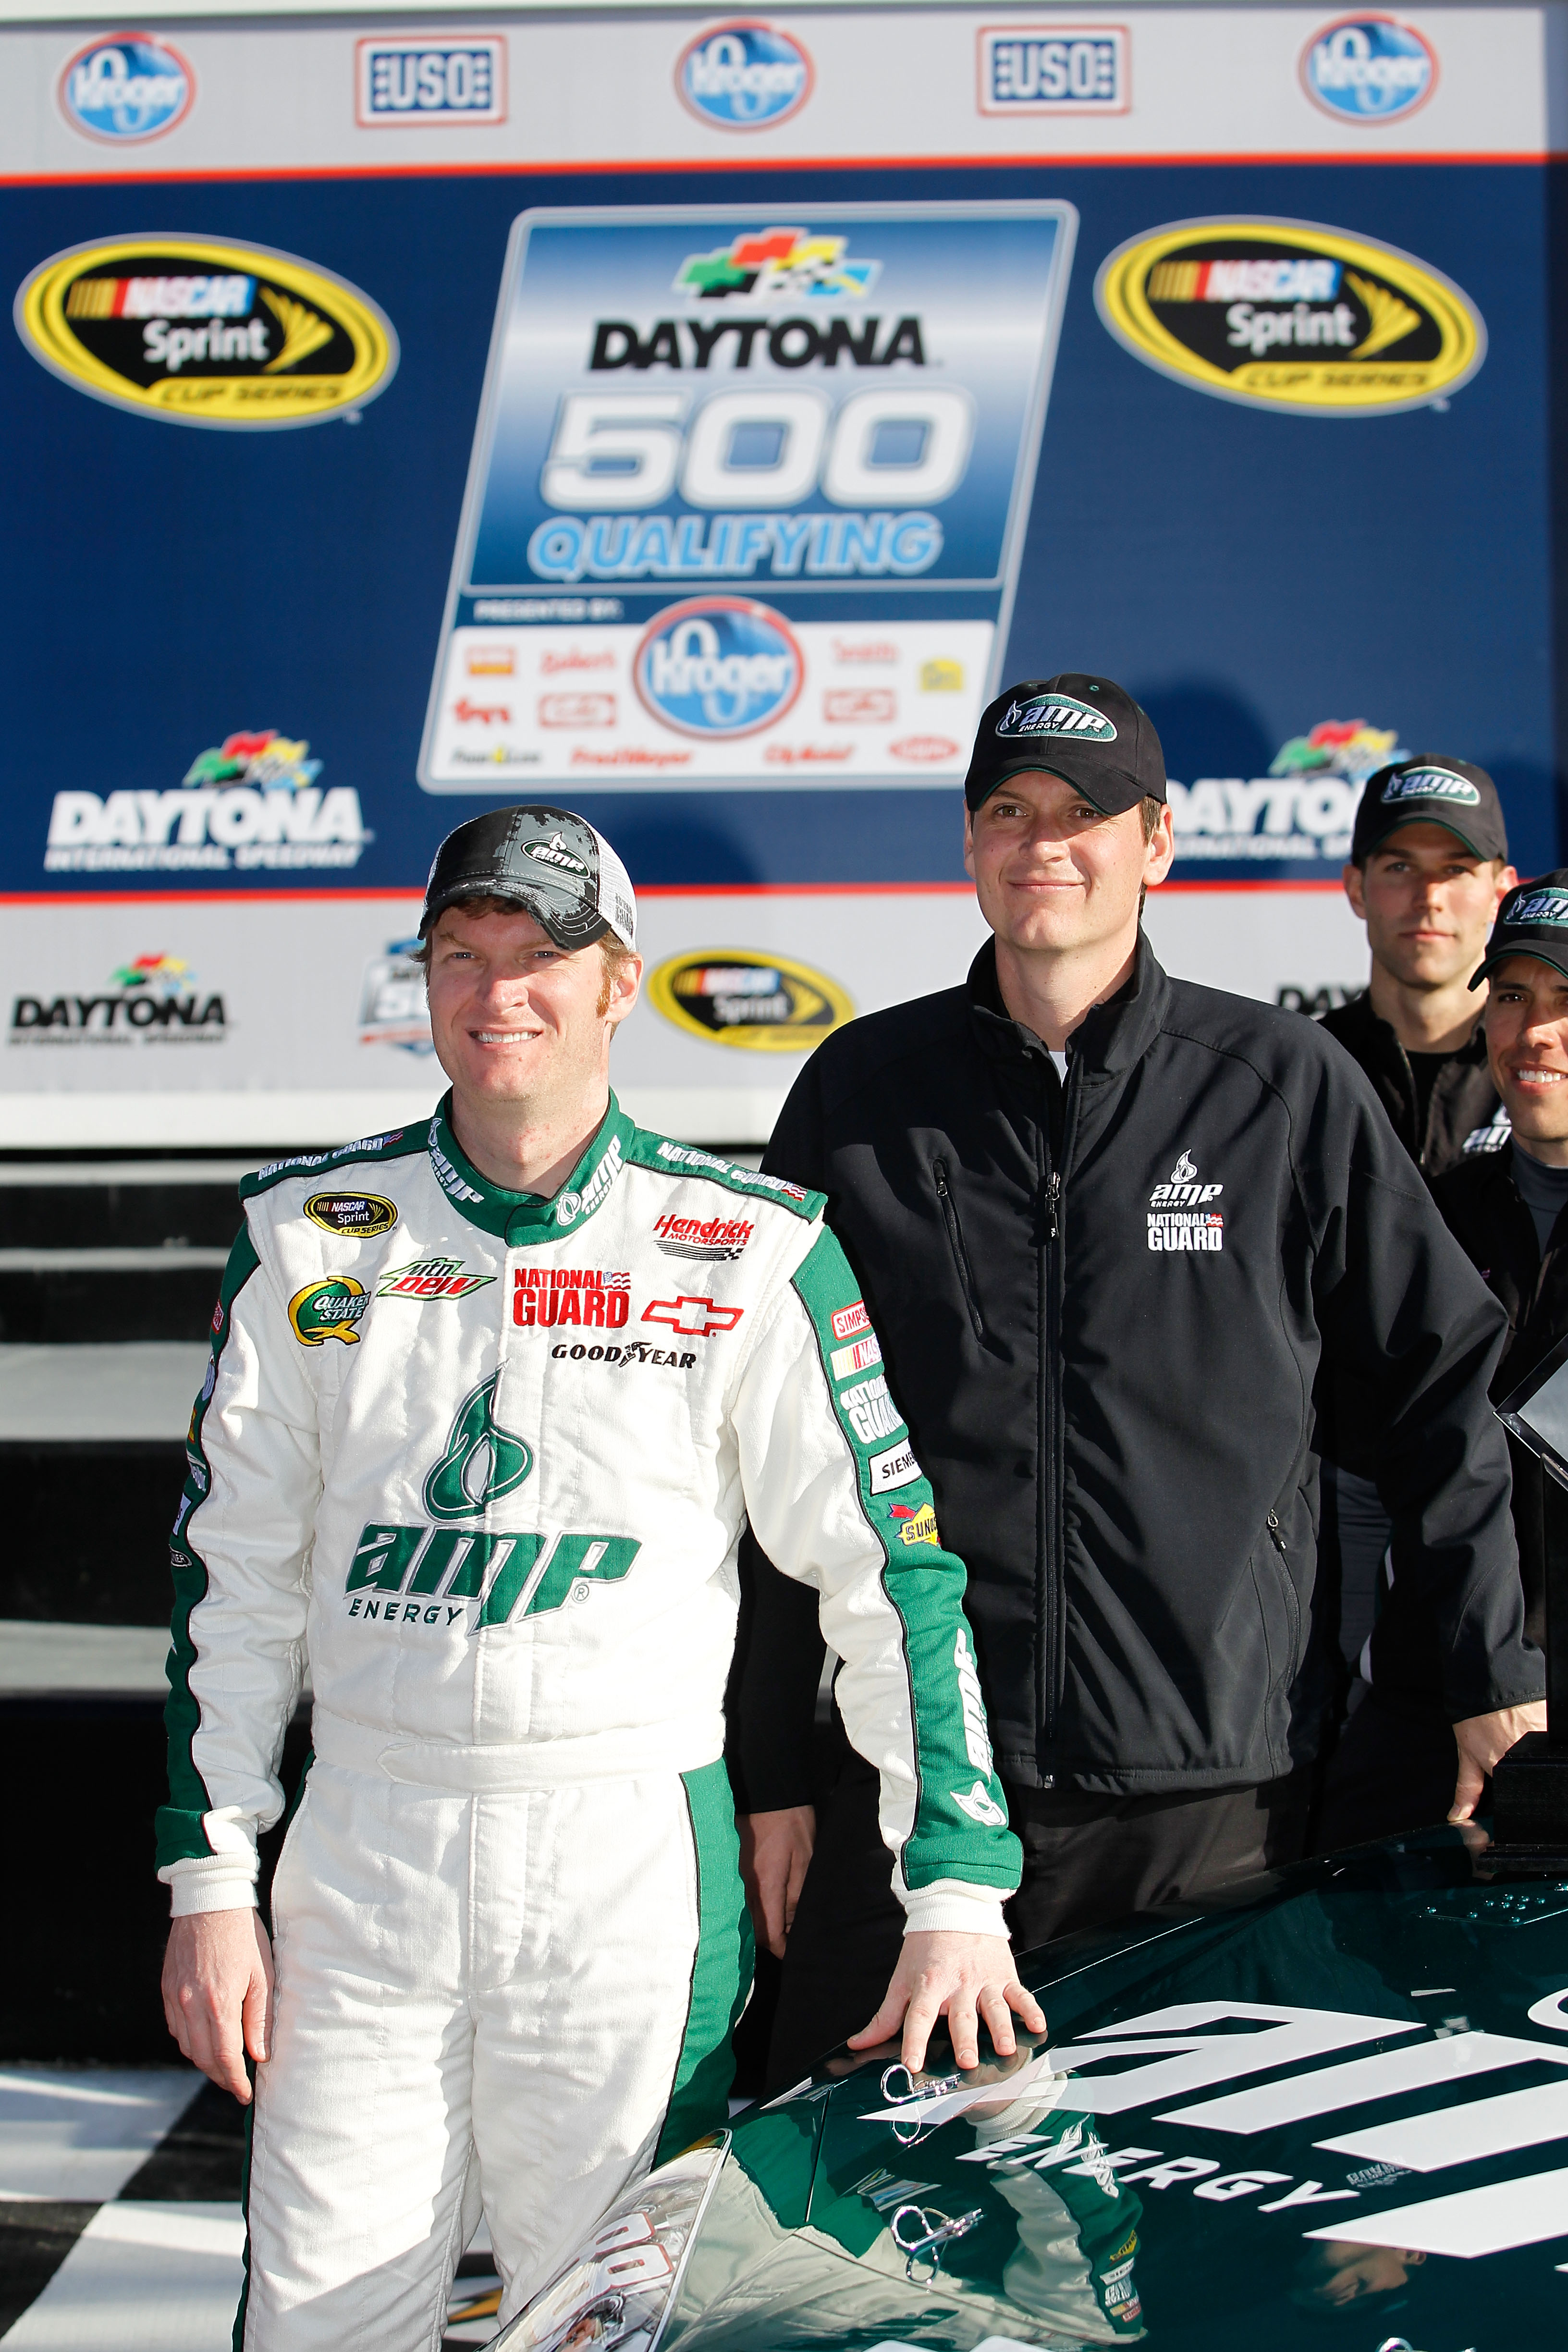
x: 955, y: 1242
x: 1275, y: 1536
x: 1054, y: 1613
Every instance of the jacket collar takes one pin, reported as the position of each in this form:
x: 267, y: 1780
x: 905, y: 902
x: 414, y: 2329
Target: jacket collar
x: 1110, y: 1039
x: 525, y: 1219
x: 1383, y: 1035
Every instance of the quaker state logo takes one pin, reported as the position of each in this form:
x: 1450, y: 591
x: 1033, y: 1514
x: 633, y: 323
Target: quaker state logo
x: 198, y: 332
x: 1288, y: 315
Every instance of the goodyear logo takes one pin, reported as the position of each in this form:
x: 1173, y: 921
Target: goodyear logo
x: 732, y: 996
x: 199, y: 332
x: 1430, y: 784
x: 328, y: 1310
x: 1288, y: 315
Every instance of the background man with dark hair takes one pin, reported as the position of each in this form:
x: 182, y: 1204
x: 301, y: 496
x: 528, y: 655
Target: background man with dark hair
x: 1113, y: 1227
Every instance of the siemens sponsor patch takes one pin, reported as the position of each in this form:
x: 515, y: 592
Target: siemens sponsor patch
x: 740, y: 997
x: 194, y: 331
x: 894, y: 1468
x: 1289, y: 315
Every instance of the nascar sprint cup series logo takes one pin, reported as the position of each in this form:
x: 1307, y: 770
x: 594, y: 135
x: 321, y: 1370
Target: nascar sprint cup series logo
x: 1284, y: 314
x: 743, y: 76
x: 195, y: 332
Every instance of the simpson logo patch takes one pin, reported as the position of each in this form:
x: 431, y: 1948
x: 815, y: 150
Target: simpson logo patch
x: 1180, y: 1217
x: 850, y: 1319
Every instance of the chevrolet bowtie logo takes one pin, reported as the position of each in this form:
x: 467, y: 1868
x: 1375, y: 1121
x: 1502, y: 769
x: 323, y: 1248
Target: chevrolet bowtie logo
x: 694, y: 1318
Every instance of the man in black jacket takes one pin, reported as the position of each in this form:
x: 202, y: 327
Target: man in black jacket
x: 1111, y: 1226
x: 1505, y: 1207
x: 1429, y: 868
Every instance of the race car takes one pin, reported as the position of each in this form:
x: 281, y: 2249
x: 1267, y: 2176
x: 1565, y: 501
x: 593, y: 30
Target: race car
x: 1330, y: 2107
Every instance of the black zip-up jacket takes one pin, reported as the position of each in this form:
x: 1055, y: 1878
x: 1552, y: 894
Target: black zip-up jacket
x: 1464, y: 1103
x: 1495, y: 1231
x: 1104, y: 1312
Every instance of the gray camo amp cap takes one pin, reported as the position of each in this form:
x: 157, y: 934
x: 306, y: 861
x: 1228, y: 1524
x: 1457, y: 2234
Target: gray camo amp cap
x: 1454, y: 794
x: 551, y: 862
x: 1532, y: 921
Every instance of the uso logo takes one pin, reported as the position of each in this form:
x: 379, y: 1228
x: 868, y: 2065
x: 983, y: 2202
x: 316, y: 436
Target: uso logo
x: 718, y: 667
x: 1369, y: 68
x: 125, y: 90
x: 743, y: 76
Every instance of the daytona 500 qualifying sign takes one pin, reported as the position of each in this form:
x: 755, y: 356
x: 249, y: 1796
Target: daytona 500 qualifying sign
x: 715, y: 445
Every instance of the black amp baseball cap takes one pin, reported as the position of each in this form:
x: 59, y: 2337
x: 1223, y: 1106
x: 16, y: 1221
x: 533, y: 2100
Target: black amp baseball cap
x: 1450, y: 793
x: 558, y: 867
x: 1088, y: 729
x: 1532, y: 921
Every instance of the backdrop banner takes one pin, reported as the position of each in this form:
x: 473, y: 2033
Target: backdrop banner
x: 694, y: 425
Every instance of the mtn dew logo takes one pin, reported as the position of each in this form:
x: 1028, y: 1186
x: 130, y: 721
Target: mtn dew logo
x: 1058, y: 715
x: 482, y: 1460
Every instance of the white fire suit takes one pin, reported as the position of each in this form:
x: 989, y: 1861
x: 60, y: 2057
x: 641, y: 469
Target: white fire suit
x: 484, y: 1459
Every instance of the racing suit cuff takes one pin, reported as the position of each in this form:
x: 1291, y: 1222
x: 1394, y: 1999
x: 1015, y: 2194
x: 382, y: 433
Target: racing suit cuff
x: 218, y: 1883
x: 956, y: 1904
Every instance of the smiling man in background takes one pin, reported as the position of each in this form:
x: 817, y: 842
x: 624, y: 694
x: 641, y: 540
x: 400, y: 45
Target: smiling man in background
x: 1113, y: 1228
x: 499, y: 1515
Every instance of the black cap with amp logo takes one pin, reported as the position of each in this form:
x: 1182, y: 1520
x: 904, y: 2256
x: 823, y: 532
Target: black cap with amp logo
x: 1454, y: 794
x: 1087, y: 730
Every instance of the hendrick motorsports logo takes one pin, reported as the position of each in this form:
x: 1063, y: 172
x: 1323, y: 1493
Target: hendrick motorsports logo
x: 154, y: 1000
x: 199, y: 332
x: 1303, y: 808
x: 736, y: 997
x: 126, y: 90
x: 251, y: 800
x: 743, y: 76
x: 718, y: 667
x: 1285, y: 314
x: 1369, y: 69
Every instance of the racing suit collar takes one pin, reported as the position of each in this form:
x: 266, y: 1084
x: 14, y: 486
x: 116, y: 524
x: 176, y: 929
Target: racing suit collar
x: 525, y: 1220
x: 1109, y: 1040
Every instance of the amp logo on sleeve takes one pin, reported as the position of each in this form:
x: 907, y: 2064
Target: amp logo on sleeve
x: 1181, y: 1216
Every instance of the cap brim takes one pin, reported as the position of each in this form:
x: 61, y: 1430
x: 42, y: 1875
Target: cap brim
x: 1427, y: 816
x: 1098, y: 788
x: 565, y: 925
x: 1557, y: 959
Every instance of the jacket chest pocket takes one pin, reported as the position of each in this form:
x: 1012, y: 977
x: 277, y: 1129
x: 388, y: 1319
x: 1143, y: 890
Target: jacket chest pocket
x: 963, y: 1269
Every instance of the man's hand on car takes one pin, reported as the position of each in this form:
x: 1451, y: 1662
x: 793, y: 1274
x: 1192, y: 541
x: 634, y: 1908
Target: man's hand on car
x: 217, y: 1994
x: 775, y: 1850
x: 945, y: 1973
x: 1483, y: 1740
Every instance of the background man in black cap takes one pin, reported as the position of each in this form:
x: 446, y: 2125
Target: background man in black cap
x: 1506, y: 1208
x: 1113, y: 1227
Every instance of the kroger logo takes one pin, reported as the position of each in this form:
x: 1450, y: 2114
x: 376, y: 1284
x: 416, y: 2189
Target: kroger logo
x: 1536, y: 906
x: 718, y: 667
x: 743, y: 76
x: 1057, y: 714
x: 126, y: 90
x: 1430, y: 784
x: 1369, y: 68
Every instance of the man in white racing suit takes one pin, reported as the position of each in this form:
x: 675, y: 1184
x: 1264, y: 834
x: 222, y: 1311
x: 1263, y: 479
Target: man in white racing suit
x: 490, y: 1400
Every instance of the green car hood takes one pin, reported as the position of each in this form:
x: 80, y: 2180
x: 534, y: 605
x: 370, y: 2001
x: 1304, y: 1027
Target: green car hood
x: 1330, y: 2110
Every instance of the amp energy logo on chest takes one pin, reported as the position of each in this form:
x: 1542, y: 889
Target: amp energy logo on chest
x: 1180, y: 1215
x: 1288, y: 315
x: 195, y: 332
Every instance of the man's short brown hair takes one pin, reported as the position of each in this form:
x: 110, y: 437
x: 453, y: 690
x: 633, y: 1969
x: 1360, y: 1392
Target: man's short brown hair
x: 614, y: 955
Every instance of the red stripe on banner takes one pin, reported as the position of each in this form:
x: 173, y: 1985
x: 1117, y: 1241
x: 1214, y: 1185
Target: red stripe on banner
x: 644, y: 890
